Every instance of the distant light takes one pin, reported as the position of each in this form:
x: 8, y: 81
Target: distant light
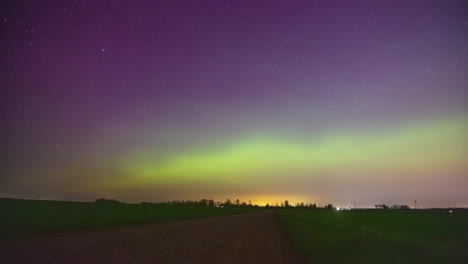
x: 450, y: 211
x: 337, y: 208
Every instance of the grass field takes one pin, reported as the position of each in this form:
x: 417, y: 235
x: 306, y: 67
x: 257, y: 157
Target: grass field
x: 24, y: 217
x: 378, y: 236
x: 323, y: 236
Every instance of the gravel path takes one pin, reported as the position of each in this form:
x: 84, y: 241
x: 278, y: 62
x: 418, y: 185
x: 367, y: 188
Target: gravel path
x: 245, y: 238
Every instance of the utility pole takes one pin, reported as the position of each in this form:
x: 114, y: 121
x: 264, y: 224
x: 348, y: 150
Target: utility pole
x: 416, y: 205
x: 354, y: 204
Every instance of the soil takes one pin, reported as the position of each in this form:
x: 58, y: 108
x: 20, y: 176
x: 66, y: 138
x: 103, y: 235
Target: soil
x: 245, y: 238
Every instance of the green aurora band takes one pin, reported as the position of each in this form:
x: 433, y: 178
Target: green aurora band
x: 436, y: 147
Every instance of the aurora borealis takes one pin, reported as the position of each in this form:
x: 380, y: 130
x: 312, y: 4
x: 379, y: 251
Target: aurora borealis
x: 315, y: 101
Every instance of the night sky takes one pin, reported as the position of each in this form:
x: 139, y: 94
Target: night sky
x: 314, y: 101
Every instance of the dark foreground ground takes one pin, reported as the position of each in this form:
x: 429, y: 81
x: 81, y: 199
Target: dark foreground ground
x: 245, y: 238
x: 79, y: 232
x: 27, y: 217
x: 378, y: 236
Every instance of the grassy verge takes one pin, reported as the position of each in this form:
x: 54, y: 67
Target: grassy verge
x: 25, y: 217
x: 378, y: 236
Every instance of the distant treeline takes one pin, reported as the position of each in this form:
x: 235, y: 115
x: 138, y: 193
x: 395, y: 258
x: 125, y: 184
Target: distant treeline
x: 220, y: 204
x: 239, y: 203
x: 395, y: 206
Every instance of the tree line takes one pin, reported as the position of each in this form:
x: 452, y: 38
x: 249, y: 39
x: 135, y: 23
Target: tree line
x: 242, y: 204
x: 395, y: 206
x: 220, y: 204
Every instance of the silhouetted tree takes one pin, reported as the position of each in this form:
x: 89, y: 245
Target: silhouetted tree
x: 400, y: 207
x: 108, y: 201
x: 381, y: 206
x: 211, y: 203
x: 228, y: 203
x: 203, y: 202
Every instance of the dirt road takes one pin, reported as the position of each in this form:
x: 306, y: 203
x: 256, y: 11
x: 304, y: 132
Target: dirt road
x: 246, y: 238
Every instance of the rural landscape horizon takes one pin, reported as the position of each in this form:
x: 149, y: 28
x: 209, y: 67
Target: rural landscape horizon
x: 233, y: 131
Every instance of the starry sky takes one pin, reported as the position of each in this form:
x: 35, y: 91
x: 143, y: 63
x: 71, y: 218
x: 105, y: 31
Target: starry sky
x: 314, y: 101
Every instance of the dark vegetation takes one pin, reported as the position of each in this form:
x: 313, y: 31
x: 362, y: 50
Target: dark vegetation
x: 378, y: 236
x: 395, y: 206
x: 207, y: 203
x: 390, y: 234
x: 25, y: 217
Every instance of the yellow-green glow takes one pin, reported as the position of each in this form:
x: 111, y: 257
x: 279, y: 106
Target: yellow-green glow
x: 421, y: 147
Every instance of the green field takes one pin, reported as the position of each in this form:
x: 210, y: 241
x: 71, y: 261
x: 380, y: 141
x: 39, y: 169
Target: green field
x: 378, y: 236
x: 24, y: 217
x: 323, y: 236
